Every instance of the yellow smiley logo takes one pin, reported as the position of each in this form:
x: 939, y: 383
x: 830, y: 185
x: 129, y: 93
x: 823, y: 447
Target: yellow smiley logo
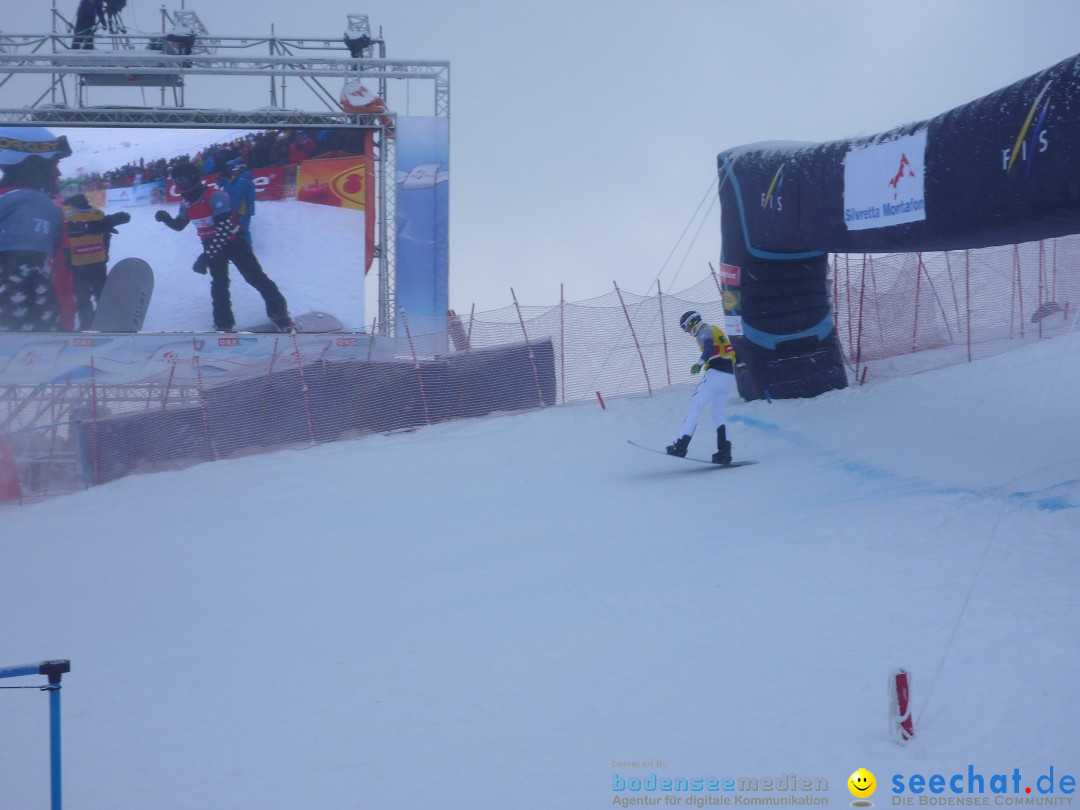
x: 862, y: 783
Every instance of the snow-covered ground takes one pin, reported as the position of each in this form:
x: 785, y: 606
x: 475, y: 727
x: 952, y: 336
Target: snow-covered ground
x: 512, y: 611
x: 493, y: 613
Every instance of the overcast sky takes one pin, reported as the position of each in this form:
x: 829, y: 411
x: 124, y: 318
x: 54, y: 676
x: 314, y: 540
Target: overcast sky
x: 584, y: 134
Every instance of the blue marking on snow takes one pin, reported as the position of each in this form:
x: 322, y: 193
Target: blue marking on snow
x: 1047, y: 499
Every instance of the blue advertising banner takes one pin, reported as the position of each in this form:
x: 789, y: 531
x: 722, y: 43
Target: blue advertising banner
x: 423, y: 196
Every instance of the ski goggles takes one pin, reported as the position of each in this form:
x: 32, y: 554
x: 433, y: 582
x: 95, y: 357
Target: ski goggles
x: 13, y: 150
x: 185, y: 182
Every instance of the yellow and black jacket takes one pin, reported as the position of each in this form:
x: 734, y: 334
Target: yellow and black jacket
x: 88, y: 231
x: 716, y: 349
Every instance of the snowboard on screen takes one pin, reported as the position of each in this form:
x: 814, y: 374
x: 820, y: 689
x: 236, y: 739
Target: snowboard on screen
x: 125, y: 298
x: 308, y: 322
x: 710, y: 462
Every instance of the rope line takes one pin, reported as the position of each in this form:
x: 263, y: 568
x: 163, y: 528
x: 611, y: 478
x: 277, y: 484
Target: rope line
x: 998, y: 518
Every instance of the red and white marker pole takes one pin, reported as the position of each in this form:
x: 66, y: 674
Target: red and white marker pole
x: 900, y: 694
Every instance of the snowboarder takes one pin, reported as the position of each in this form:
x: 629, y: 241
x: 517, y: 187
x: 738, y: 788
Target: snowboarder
x: 718, y: 361
x: 88, y: 232
x: 240, y: 187
x: 31, y: 228
x: 219, y: 231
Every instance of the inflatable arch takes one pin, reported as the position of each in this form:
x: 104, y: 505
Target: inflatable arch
x: 1000, y: 170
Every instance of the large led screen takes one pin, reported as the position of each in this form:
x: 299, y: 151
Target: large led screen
x: 311, y: 225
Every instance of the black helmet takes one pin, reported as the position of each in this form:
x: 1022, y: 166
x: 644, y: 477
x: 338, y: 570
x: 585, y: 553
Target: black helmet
x: 186, y: 175
x: 689, y: 321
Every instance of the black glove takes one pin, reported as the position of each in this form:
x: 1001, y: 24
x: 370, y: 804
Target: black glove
x: 163, y: 216
x: 202, y: 264
x: 123, y: 218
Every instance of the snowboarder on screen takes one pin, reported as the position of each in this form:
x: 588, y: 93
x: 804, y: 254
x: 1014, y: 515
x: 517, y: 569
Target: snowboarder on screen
x: 87, y: 236
x: 217, y: 226
x: 240, y: 187
x: 34, y: 280
x: 718, y: 361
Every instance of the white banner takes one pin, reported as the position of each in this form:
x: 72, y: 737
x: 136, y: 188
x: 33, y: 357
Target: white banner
x: 176, y: 358
x: 142, y: 194
x: 883, y: 183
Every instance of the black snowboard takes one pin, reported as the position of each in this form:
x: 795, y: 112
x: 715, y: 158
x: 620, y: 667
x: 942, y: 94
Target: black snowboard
x: 308, y: 322
x: 744, y: 463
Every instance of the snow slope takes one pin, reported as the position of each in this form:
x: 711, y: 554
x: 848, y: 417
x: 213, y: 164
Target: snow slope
x: 504, y: 612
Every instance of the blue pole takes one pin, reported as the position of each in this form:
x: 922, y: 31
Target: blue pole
x: 54, y: 745
x: 17, y: 672
x: 54, y: 670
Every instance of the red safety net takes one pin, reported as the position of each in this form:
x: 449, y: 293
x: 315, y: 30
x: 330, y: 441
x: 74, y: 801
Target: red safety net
x: 77, y: 410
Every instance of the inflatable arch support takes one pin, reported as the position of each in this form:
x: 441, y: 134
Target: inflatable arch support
x: 1003, y: 169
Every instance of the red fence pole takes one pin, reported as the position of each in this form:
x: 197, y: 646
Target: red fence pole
x: 835, y: 286
x: 528, y: 347
x: 663, y: 329
x: 633, y: 334
x: 416, y: 365
x: 847, y: 286
x: 934, y: 292
x: 952, y: 287
x: 859, y: 329
x: 1017, y: 294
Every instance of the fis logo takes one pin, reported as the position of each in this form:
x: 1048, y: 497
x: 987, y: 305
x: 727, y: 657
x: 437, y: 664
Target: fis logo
x: 1031, y: 139
x: 771, y: 200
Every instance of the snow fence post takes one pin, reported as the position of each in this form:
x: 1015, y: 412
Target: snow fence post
x: 529, y: 349
x: 900, y: 705
x: 416, y: 365
x: 663, y: 328
x: 630, y: 323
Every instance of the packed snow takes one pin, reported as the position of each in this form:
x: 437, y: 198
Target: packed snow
x: 504, y: 611
x: 525, y: 611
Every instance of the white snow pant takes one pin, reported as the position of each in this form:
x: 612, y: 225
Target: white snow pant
x: 715, y: 387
